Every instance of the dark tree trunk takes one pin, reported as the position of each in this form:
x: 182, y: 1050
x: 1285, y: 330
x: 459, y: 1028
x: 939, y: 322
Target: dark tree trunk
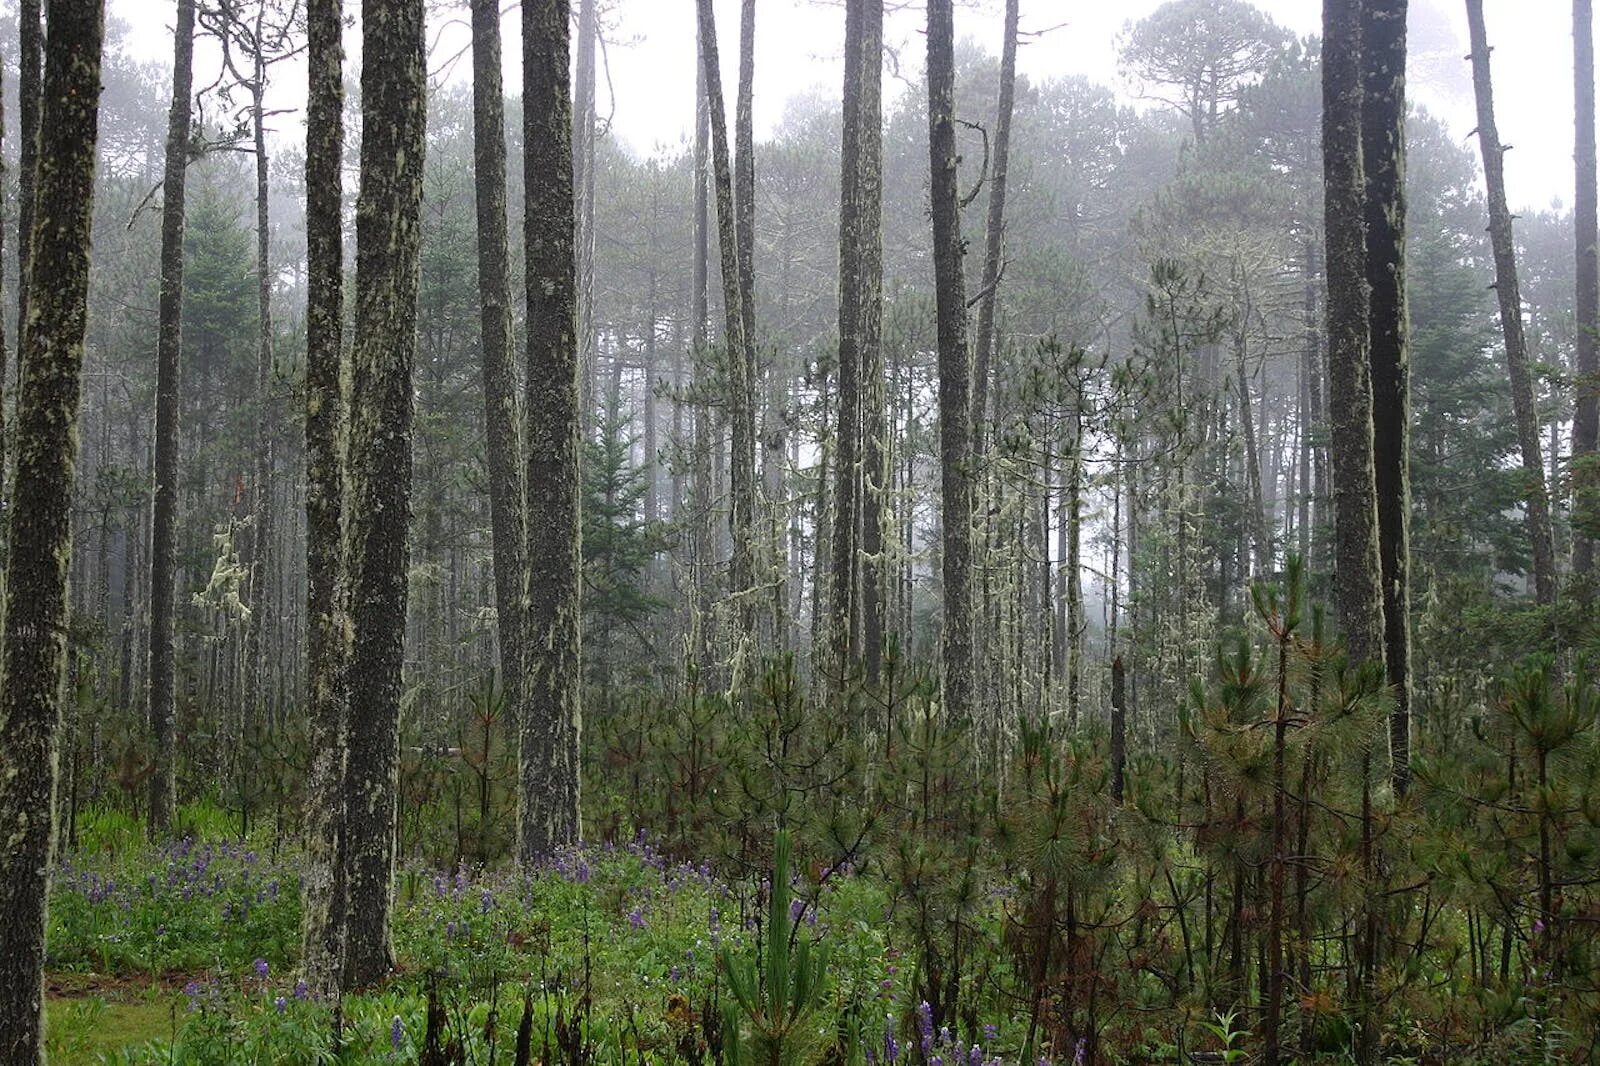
x: 378, y: 491
x: 1358, y: 596
x: 499, y: 387
x: 701, y: 529
x: 994, y: 242
x: 1119, y: 728
x: 327, y: 650
x: 955, y: 365
x: 33, y: 650
x: 551, y: 715
x: 741, y: 407
x: 164, y: 521
x: 30, y: 45
x: 1586, y: 411
x: 4, y: 353
x: 1383, y: 147
x: 1536, y: 501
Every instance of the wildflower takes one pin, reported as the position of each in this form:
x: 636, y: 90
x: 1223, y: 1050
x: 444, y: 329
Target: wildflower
x: 991, y: 1033
x: 396, y: 1031
x: 925, y: 1025
x: 1538, y: 925
x: 302, y: 991
x: 261, y: 968
x: 1079, y: 1056
x: 280, y: 1004
x: 797, y: 907
x: 636, y: 919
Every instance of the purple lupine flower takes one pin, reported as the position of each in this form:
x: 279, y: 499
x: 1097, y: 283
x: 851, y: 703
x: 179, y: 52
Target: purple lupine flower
x: 261, y: 968
x: 1538, y: 925
x: 944, y: 1034
x: 975, y: 1056
x: 925, y: 1025
x: 280, y: 1004
x: 636, y: 919
x: 1080, y: 1055
x: 797, y: 907
x: 991, y: 1033
x: 891, y: 1046
x: 302, y: 991
x: 486, y: 903
x: 584, y: 873
x: 396, y: 1032
x: 675, y: 975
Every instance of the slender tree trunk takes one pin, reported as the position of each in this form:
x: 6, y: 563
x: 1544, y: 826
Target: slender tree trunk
x: 378, y: 490
x: 261, y: 533
x: 1586, y: 412
x: 1536, y: 501
x: 702, y: 532
x: 322, y: 896
x: 1357, y: 589
x: 33, y: 650
x: 4, y: 353
x: 1383, y: 147
x: 994, y: 242
x: 874, y: 452
x: 584, y: 110
x: 844, y: 631
x: 169, y: 345
x: 955, y: 365
x: 499, y: 387
x: 741, y: 413
x: 548, y: 770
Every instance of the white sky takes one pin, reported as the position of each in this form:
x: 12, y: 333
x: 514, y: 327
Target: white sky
x: 651, y: 62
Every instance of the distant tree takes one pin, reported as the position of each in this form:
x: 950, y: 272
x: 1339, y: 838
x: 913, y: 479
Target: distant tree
x: 1205, y: 52
x: 378, y: 486
x: 1536, y: 499
x: 33, y: 648
x: 1586, y: 413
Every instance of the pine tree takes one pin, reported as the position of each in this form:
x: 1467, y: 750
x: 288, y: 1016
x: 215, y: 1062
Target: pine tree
x: 378, y: 486
x: 33, y: 649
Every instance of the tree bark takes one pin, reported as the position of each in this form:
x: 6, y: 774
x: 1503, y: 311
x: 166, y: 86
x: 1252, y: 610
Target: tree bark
x: 874, y: 453
x: 1536, y: 501
x: 548, y: 772
x: 1586, y: 410
x: 844, y: 631
x: 584, y: 118
x: 378, y: 491
x: 1357, y: 589
x: 955, y: 365
x: 164, y: 521
x: 994, y: 243
x: 327, y: 650
x: 741, y: 413
x: 499, y: 389
x: 1383, y: 147
x: 33, y: 650
x: 30, y: 45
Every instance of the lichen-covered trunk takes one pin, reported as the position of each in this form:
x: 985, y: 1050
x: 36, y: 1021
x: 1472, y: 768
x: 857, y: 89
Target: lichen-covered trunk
x: 33, y: 650
x: 583, y: 168
x: 548, y: 770
x: 499, y: 386
x: 30, y: 46
x: 955, y: 365
x: 378, y: 490
x: 1357, y: 594
x: 874, y: 452
x: 327, y: 647
x: 4, y: 352
x: 1383, y: 148
x: 1586, y: 409
x: 994, y: 237
x: 843, y: 626
x: 164, y: 513
x: 1535, y: 500
x: 741, y: 397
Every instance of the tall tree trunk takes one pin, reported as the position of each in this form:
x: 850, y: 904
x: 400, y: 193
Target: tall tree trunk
x: 327, y: 650
x: 499, y: 387
x: 994, y: 241
x: 741, y: 413
x: 955, y: 365
x: 1358, y: 596
x: 261, y: 509
x: 1536, y: 502
x: 1383, y: 153
x: 378, y: 491
x: 551, y: 715
x: 845, y: 556
x: 874, y: 452
x: 584, y: 117
x: 169, y: 345
x: 33, y: 650
x: 1586, y: 412
x: 30, y: 45
x: 702, y: 535
x: 4, y: 353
